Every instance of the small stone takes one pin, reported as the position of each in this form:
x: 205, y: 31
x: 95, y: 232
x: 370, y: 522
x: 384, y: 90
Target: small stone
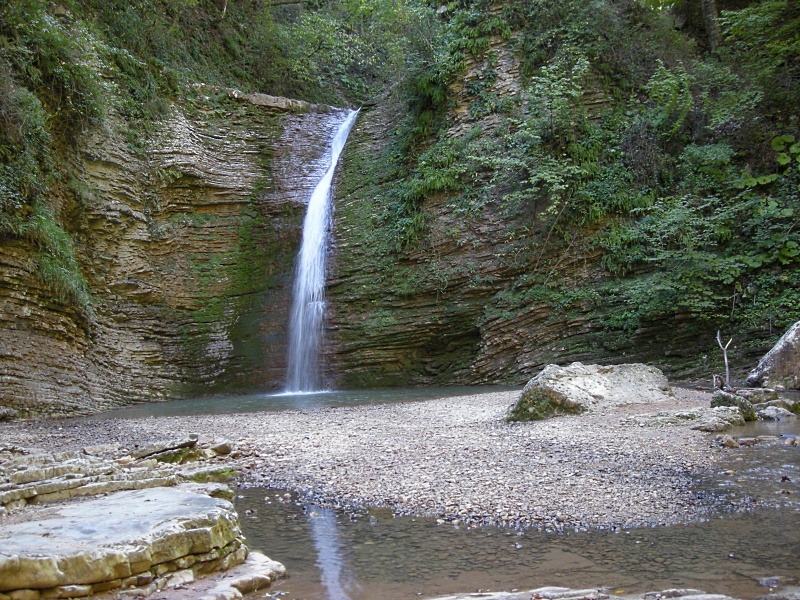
x: 180, y: 578
x: 222, y: 448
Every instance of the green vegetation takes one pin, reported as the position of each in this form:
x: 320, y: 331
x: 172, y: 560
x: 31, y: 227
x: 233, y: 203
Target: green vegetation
x: 539, y: 403
x: 627, y: 136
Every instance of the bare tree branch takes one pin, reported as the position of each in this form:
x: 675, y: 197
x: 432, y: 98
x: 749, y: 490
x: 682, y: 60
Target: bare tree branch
x: 725, y: 356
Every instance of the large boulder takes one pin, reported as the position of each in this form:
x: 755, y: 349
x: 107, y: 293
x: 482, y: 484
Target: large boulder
x: 780, y: 367
x: 577, y: 388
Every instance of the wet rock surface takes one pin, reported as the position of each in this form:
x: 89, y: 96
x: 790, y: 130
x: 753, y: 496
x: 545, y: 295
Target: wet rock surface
x: 106, y: 518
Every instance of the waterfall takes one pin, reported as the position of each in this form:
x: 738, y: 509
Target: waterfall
x: 308, y: 305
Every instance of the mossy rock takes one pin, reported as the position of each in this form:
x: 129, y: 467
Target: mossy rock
x: 179, y: 456
x: 215, y: 475
x: 790, y: 405
x: 721, y: 398
x: 540, y: 403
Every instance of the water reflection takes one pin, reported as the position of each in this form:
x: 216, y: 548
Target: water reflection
x: 378, y: 556
x: 330, y: 559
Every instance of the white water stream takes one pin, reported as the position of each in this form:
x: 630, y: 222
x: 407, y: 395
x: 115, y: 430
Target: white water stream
x: 308, y: 305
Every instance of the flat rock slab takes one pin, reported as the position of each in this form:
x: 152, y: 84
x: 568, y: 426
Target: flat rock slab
x: 103, y: 539
x: 705, y: 419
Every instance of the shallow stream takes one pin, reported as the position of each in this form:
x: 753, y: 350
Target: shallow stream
x: 376, y: 556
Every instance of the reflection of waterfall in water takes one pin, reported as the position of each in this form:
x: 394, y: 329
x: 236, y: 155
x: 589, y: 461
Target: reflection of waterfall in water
x: 329, y: 553
x: 308, y: 307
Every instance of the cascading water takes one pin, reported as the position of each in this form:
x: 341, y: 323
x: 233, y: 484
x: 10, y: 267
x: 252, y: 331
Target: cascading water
x: 308, y: 306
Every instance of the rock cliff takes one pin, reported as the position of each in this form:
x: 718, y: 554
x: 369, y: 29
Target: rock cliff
x: 465, y: 303
x: 187, y: 247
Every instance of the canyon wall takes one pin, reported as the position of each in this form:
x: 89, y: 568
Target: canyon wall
x: 187, y: 248
x: 485, y: 294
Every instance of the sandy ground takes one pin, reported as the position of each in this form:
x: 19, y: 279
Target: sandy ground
x: 452, y: 458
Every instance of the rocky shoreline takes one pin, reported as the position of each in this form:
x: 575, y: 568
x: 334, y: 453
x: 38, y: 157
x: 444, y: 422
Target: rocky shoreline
x: 453, y: 458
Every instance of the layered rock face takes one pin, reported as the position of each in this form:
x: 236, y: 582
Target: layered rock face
x: 487, y: 294
x: 188, y: 251
x: 454, y: 308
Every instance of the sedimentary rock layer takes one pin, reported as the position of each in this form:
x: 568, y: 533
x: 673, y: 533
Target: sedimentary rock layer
x: 187, y: 248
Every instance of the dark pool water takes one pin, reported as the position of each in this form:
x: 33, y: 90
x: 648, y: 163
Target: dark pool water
x: 273, y: 402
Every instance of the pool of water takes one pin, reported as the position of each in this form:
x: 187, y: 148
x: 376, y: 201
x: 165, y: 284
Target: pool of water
x: 332, y: 556
x: 218, y: 405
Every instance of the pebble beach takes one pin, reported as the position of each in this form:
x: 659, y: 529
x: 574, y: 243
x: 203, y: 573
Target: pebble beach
x: 455, y: 459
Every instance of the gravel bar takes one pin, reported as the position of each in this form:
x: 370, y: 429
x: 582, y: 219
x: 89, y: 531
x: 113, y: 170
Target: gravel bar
x: 453, y: 458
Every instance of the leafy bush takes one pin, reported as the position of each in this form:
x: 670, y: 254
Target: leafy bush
x: 51, y: 58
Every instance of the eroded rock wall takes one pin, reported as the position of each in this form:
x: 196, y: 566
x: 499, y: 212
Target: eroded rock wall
x: 188, y: 250
x: 457, y: 306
